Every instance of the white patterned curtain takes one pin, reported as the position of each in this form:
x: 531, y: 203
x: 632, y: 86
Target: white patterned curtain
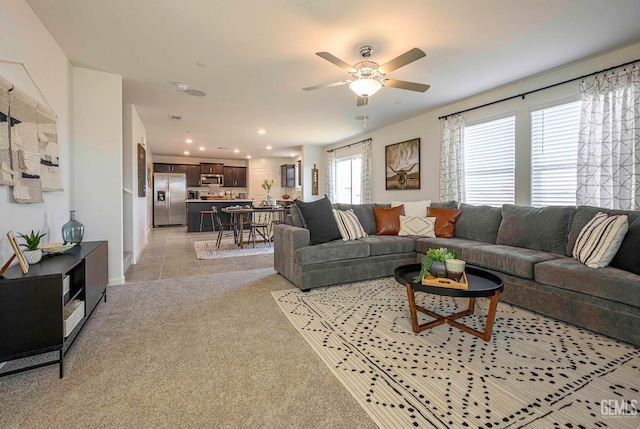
x: 365, y: 181
x: 331, y: 163
x: 609, y: 141
x: 452, y: 159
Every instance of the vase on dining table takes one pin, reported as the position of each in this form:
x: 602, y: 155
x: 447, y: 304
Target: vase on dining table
x: 269, y: 201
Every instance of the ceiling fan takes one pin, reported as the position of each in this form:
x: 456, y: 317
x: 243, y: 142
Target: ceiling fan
x: 368, y: 77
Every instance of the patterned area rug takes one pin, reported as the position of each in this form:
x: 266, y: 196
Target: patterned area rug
x: 228, y: 249
x: 535, y: 372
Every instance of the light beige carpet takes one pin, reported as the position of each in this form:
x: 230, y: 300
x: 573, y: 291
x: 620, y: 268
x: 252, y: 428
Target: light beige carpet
x: 534, y: 373
x: 210, y: 351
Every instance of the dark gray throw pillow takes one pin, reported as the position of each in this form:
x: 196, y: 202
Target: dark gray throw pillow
x: 628, y: 256
x: 319, y: 220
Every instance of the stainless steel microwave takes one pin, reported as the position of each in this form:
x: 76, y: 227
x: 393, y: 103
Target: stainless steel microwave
x: 212, y: 179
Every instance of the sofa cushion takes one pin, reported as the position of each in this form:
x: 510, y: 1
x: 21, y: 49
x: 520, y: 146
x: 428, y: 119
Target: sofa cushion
x: 600, y: 240
x: 389, y: 244
x: 451, y: 205
x: 516, y: 261
x: 319, y: 220
x: 418, y: 226
x: 479, y: 223
x: 364, y: 213
x: 295, y: 217
x: 584, y: 214
x: 331, y: 251
x: 628, y: 256
x: 534, y: 228
x: 388, y: 220
x: 609, y: 283
x: 348, y: 225
x: 413, y: 208
x: 445, y: 220
x: 460, y: 245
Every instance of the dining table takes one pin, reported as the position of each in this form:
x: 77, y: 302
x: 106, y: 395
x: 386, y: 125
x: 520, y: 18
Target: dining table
x: 244, y: 216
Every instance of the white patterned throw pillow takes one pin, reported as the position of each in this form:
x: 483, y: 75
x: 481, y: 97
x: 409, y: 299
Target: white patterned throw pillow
x: 600, y: 240
x: 349, y: 225
x: 413, y: 208
x: 417, y: 225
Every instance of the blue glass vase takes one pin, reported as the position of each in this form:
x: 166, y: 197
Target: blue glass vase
x: 73, y: 230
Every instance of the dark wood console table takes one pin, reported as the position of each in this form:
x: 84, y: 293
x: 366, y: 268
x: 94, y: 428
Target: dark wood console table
x: 32, y: 305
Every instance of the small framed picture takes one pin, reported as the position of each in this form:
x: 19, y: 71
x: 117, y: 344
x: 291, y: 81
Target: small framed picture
x: 16, y: 250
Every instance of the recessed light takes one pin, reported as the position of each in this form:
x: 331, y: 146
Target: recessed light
x: 293, y: 154
x: 188, y: 141
x: 262, y: 132
x: 201, y: 148
x: 248, y: 156
x: 269, y: 147
x: 201, y: 63
x: 236, y: 151
x: 186, y: 152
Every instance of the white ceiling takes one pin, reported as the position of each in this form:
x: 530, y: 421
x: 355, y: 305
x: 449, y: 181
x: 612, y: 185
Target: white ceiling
x: 260, y: 54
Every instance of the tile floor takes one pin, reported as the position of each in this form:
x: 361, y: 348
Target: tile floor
x: 170, y: 254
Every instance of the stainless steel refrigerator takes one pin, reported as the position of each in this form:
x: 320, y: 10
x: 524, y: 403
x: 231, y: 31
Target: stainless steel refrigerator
x: 169, y: 199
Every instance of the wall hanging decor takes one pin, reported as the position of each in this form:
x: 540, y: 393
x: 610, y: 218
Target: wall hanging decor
x: 314, y: 180
x: 28, y: 143
x: 402, y: 165
x: 142, y: 171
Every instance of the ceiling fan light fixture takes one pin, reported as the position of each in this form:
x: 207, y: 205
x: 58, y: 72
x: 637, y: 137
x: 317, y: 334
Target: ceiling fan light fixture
x: 365, y: 87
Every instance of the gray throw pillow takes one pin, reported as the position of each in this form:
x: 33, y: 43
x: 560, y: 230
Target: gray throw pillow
x: 628, y: 256
x: 319, y: 220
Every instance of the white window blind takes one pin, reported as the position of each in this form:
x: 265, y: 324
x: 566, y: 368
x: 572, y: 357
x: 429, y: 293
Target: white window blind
x: 489, y: 162
x: 554, y: 154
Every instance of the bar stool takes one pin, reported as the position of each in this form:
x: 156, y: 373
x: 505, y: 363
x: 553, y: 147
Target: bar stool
x: 206, y: 212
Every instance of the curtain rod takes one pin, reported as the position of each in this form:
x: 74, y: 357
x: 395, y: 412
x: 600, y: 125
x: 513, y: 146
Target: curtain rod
x: 350, y: 144
x: 32, y: 81
x: 524, y: 94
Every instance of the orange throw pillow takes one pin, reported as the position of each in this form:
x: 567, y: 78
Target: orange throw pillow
x: 388, y: 220
x: 445, y: 221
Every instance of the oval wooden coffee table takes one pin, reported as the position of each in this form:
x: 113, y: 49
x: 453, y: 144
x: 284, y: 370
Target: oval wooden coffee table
x: 482, y: 284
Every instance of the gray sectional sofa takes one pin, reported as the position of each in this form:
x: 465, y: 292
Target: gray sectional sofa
x: 529, y: 248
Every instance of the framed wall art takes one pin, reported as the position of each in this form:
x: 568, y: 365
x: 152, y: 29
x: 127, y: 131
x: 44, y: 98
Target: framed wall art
x: 402, y: 165
x: 17, y: 253
x: 142, y: 171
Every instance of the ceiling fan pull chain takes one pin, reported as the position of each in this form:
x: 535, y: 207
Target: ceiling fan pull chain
x: 364, y: 119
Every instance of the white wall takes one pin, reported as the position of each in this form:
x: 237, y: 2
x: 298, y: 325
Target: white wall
x: 311, y: 155
x: 135, y: 209
x: 427, y: 126
x: 97, y: 161
x: 24, y: 39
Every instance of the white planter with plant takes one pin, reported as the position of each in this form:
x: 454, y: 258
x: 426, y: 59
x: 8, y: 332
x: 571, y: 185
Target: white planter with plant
x: 33, y: 254
x: 267, y: 184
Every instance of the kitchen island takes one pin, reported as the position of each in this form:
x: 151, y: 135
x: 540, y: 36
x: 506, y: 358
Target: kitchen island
x: 194, y: 207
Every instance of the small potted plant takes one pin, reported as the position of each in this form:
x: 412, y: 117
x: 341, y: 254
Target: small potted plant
x: 267, y: 184
x: 31, y: 242
x: 433, y: 262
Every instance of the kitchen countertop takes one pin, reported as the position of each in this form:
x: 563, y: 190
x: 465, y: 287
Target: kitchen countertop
x: 220, y: 200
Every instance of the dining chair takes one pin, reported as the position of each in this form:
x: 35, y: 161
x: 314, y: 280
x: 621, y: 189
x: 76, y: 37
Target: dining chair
x: 223, y: 227
x: 260, y: 223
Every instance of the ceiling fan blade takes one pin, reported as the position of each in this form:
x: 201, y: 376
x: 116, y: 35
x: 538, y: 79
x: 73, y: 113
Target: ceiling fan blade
x: 337, y: 61
x: 402, y: 60
x: 362, y: 101
x: 402, y: 84
x: 327, y: 85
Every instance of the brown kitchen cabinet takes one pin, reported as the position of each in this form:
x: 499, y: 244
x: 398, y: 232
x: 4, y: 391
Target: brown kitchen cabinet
x: 235, y: 177
x: 288, y: 175
x: 211, y: 168
x: 193, y: 176
x: 169, y: 168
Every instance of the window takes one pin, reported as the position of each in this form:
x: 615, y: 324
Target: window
x: 489, y: 162
x: 347, y: 179
x: 554, y: 154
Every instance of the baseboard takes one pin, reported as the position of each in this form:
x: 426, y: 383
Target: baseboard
x: 116, y: 281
